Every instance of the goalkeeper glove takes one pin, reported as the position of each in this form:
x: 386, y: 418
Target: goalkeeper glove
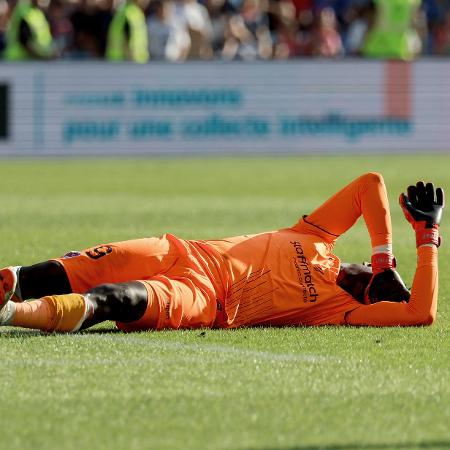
x: 422, y: 207
x: 388, y: 286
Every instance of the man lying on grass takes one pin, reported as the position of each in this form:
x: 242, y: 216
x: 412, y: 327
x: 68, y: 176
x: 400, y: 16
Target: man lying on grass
x: 284, y: 277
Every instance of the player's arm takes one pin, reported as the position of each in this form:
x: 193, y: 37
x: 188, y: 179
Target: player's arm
x: 364, y: 196
x: 423, y: 209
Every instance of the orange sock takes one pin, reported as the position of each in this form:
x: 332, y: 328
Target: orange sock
x: 53, y: 313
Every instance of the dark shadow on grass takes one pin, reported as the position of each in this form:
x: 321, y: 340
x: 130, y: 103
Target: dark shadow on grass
x: 101, y: 331
x: 24, y: 333
x: 20, y: 333
x: 434, y: 445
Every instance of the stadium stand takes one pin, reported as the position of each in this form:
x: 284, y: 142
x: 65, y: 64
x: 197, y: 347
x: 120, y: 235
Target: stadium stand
x: 230, y: 29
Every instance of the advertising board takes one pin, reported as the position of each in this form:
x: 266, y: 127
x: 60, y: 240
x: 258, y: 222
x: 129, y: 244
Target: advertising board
x: 303, y: 107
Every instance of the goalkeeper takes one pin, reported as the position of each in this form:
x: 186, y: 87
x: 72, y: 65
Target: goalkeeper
x: 284, y: 277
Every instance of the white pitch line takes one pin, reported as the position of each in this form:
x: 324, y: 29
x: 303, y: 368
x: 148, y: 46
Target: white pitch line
x: 237, y: 352
x: 177, y: 346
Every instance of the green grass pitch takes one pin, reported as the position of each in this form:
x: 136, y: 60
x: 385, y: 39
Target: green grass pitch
x: 305, y: 388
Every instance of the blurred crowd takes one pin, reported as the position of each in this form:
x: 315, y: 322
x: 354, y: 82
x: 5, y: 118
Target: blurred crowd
x: 177, y: 30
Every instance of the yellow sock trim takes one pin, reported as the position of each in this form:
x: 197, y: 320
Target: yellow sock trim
x: 68, y: 312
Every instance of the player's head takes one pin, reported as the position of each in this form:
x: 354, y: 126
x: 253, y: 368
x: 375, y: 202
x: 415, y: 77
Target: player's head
x: 388, y: 285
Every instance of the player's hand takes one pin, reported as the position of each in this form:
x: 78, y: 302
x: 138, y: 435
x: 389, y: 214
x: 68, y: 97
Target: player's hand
x: 386, y: 286
x: 422, y: 207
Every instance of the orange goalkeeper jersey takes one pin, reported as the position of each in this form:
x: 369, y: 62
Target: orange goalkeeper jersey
x: 279, y: 278
x: 288, y: 277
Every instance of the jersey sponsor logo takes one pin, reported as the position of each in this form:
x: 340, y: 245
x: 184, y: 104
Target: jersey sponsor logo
x: 99, y: 252
x: 301, y: 264
x: 71, y: 254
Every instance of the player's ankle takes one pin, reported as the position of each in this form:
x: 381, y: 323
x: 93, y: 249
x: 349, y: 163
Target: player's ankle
x: 71, y: 310
x: 62, y: 313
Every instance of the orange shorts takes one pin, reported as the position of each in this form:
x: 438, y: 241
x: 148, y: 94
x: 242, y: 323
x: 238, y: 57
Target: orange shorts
x: 180, y: 293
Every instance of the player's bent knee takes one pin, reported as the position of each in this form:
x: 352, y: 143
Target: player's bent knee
x: 125, y: 302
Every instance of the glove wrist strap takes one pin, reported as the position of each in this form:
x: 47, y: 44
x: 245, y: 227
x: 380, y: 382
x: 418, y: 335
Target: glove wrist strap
x: 427, y: 235
x: 383, y: 261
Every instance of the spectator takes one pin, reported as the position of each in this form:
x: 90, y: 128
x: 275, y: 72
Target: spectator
x: 190, y: 31
x: 360, y: 20
x: 4, y: 12
x: 306, y: 23
x: 28, y: 35
x: 434, y: 14
x: 303, y: 7
x: 127, y: 34
x: 329, y: 42
x: 421, y: 31
x: 179, y: 43
x: 177, y: 30
x: 158, y: 27
x: 394, y: 34
x: 442, y: 36
x: 102, y: 13
x: 60, y: 26
x: 90, y: 28
x: 219, y: 12
x: 247, y: 34
x: 286, y: 34
x: 199, y: 28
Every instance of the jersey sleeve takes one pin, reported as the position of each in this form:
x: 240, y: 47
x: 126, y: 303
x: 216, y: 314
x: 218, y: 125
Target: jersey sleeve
x: 422, y: 306
x: 364, y: 196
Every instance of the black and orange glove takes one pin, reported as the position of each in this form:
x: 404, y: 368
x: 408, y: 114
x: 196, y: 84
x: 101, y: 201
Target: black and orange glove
x: 387, y: 286
x: 422, y: 207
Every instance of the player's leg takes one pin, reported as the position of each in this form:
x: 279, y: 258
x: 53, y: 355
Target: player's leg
x: 70, y: 312
x: 184, y: 302
x: 41, y: 279
x: 37, y: 280
x: 120, y: 262
x: 138, y: 305
x: 80, y: 271
x: 23, y: 282
x: 125, y: 302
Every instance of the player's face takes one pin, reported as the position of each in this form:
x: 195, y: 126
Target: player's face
x: 354, y: 279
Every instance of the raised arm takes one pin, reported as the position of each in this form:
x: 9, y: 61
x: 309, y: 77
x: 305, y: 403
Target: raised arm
x: 423, y: 209
x: 364, y: 196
